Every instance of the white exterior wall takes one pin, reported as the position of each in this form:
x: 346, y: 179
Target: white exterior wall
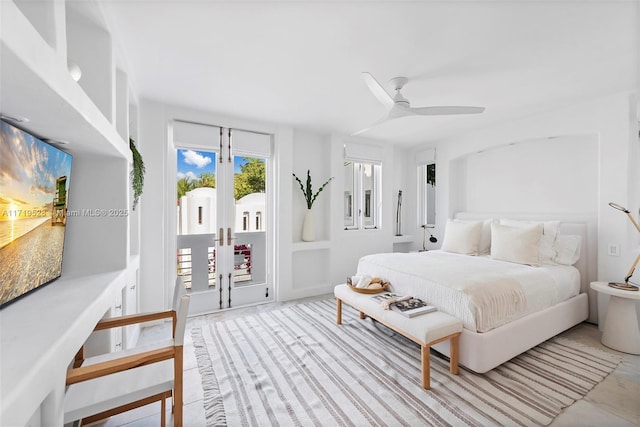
x: 191, y: 221
x: 206, y: 198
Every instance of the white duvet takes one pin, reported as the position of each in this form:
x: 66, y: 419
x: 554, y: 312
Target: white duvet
x: 482, y: 292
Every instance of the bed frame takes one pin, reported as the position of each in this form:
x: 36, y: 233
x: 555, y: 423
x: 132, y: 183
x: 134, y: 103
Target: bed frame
x: 482, y: 352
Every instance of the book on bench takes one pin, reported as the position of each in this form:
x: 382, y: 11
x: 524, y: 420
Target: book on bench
x: 412, y: 307
x: 407, y: 306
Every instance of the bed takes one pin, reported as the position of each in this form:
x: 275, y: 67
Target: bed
x: 506, y: 306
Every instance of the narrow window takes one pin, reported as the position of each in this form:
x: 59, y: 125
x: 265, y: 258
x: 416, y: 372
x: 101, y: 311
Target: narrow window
x: 362, y: 195
x: 258, y: 221
x: 245, y: 221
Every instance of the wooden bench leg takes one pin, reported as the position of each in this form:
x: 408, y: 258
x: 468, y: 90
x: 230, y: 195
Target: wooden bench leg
x: 426, y: 367
x: 455, y: 354
x: 338, y: 311
x: 362, y: 315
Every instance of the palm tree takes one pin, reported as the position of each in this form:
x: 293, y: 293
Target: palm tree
x: 185, y: 185
x: 207, y: 179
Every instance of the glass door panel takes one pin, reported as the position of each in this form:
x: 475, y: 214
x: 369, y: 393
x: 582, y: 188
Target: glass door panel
x: 197, y: 218
x: 249, y: 255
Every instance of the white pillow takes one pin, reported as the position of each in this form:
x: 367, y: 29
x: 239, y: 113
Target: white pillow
x: 485, y: 238
x: 567, y: 249
x: 462, y: 237
x: 549, y: 234
x: 516, y: 244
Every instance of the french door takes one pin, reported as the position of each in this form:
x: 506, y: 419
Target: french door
x: 223, y: 216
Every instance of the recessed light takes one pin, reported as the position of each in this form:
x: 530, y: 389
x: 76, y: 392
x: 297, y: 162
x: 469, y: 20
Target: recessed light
x: 16, y: 119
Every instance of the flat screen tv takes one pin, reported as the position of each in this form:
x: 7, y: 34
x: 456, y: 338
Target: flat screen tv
x: 34, y: 189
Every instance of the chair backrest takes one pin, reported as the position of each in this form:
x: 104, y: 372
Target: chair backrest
x: 181, y: 319
x: 178, y: 291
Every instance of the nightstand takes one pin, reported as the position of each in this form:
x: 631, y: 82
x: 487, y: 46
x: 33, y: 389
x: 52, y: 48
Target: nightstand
x: 621, y: 330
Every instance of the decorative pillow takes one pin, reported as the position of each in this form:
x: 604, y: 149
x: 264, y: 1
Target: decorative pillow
x: 516, y: 244
x: 462, y: 237
x: 485, y: 238
x: 549, y: 234
x: 567, y: 249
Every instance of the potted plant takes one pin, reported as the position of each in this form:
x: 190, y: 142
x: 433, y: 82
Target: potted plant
x: 308, y: 231
x: 137, y: 173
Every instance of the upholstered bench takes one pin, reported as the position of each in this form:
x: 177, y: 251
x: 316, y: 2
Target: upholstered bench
x: 425, y: 329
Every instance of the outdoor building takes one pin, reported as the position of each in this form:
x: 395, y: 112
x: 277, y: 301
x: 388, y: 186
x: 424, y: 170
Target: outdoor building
x: 197, y: 212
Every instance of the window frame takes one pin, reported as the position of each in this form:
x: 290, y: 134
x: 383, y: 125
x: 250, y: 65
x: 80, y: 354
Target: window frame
x: 364, y: 200
x: 423, y: 199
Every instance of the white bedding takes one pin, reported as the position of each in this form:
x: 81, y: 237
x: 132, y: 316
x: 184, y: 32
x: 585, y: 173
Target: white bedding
x: 460, y: 284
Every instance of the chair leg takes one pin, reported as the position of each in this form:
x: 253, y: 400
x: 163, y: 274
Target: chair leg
x: 177, y: 395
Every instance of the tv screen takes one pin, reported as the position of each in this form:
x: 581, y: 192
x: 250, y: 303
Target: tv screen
x: 34, y: 190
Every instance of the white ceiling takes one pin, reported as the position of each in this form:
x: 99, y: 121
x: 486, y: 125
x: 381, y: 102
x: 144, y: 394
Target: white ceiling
x: 299, y: 63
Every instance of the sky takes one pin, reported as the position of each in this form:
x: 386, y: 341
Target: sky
x: 192, y: 163
x: 28, y: 172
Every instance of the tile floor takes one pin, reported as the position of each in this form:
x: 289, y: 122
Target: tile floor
x: 615, y: 402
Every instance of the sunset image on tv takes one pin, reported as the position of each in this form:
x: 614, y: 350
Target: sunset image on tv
x: 34, y: 188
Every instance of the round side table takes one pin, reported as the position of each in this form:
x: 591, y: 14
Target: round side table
x: 621, y: 330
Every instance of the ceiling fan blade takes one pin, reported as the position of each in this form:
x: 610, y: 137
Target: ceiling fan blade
x: 399, y: 110
x: 377, y: 90
x: 383, y: 119
x: 442, y: 111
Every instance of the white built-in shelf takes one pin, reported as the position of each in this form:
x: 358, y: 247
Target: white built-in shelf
x: 36, y: 84
x: 311, y: 246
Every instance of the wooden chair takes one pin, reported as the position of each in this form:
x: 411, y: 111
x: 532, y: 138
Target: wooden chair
x: 106, y: 385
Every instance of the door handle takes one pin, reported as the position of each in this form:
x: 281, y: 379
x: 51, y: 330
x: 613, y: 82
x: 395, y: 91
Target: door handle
x: 229, y: 238
x: 221, y: 237
x: 229, y: 153
x: 220, y: 141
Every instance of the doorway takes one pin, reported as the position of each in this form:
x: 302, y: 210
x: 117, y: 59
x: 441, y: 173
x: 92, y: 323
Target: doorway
x: 223, y: 216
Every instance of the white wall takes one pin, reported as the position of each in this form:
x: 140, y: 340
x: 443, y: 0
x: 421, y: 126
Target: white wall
x: 611, y: 120
x: 539, y: 176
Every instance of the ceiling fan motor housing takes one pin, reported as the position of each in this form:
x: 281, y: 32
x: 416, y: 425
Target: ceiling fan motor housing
x: 398, y: 83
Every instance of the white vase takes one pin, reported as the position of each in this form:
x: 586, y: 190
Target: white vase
x: 308, y: 229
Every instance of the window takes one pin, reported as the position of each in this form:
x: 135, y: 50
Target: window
x: 199, y: 214
x: 258, y: 221
x: 362, y: 195
x: 427, y: 194
x: 245, y: 221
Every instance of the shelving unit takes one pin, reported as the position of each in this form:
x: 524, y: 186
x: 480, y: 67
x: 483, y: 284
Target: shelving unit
x: 40, y: 334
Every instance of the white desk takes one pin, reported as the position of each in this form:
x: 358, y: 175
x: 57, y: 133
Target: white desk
x: 621, y: 330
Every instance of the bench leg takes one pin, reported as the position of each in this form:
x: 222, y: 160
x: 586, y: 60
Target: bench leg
x: 338, y: 311
x: 362, y: 315
x: 426, y: 367
x: 454, y: 356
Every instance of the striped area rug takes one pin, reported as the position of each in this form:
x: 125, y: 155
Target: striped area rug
x: 296, y: 367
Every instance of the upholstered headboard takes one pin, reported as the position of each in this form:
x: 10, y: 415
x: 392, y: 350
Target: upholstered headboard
x: 584, y: 225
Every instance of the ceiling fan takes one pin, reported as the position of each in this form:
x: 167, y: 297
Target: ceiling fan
x: 399, y: 106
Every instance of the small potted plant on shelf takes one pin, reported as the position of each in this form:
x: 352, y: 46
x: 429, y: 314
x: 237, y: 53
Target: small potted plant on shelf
x: 137, y: 173
x: 308, y: 231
